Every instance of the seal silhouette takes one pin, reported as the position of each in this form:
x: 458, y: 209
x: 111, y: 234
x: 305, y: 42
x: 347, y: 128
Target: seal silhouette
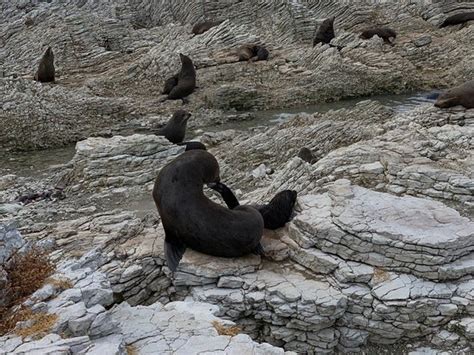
x: 383, y: 32
x: 252, y: 53
x: 458, y: 19
x: 181, y: 85
x: 275, y: 214
x: 325, y: 32
x: 46, y: 72
x: 306, y: 154
x: 460, y: 95
x: 202, y: 27
x: 191, y: 220
x: 175, y: 129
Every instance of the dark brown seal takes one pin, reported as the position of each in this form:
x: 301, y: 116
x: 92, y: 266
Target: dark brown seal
x: 185, y: 80
x: 306, y: 155
x: 458, y: 19
x: 325, y: 32
x: 460, y: 95
x: 383, y: 32
x: 46, y: 72
x: 192, y: 220
x: 252, y: 53
x: 202, y: 27
x: 175, y: 129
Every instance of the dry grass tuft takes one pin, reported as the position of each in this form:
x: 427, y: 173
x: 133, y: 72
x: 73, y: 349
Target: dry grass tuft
x: 224, y: 330
x: 62, y: 283
x: 131, y: 350
x: 26, y: 273
x: 380, y: 275
x: 41, y: 324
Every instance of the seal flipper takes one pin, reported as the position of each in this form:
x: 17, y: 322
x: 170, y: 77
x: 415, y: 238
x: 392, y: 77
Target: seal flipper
x: 259, y: 250
x: 174, y: 250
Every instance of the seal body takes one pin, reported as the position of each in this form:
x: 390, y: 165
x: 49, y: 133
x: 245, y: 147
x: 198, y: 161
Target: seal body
x: 175, y: 129
x: 252, y: 53
x: 46, y: 72
x: 170, y: 84
x: 202, y: 27
x: 306, y: 155
x: 458, y: 19
x: 192, y: 220
x: 383, y: 32
x: 325, y: 32
x: 460, y: 95
x: 186, y: 80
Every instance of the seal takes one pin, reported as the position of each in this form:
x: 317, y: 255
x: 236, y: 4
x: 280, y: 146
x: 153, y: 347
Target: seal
x: 175, y: 129
x: 306, y: 155
x: 460, y: 95
x: 192, y: 145
x: 46, y: 72
x: 457, y: 19
x: 191, y: 220
x: 252, y: 53
x: 383, y: 32
x: 202, y: 27
x: 186, y: 80
x: 275, y: 214
x: 325, y: 32
x: 170, y: 83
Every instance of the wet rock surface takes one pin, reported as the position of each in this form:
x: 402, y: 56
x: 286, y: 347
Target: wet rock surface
x: 379, y: 254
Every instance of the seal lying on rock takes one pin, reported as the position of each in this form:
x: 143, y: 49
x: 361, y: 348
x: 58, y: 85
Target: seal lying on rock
x: 306, y: 155
x: 202, y: 27
x: 458, y: 19
x: 460, y: 95
x: 192, y: 220
x: 181, y: 85
x: 275, y: 214
x: 252, y: 53
x: 383, y: 32
x: 175, y: 129
x: 46, y: 70
x: 193, y: 145
x: 325, y: 32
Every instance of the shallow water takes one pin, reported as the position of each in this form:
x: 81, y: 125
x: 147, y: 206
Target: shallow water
x: 37, y: 163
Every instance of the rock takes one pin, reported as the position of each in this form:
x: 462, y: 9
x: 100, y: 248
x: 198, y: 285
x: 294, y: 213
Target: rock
x: 10, y: 208
x: 422, y: 41
x: 445, y: 339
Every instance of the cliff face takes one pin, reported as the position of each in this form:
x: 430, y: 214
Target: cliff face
x: 112, y: 58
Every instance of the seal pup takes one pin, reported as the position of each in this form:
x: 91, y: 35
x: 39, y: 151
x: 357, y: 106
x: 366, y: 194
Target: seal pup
x: 275, y: 214
x: 460, y: 95
x: 252, y: 53
x: 457, y: 19
x: 202, y: 27
x: 46, y: 72
x: 383, y: 32
x: 175, y: 129
x: 325, y: 32
x: 191, y: 220
x: 306, y: 155
x: 186, y: 80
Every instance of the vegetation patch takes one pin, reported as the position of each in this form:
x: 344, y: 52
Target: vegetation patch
x: 226, y: 330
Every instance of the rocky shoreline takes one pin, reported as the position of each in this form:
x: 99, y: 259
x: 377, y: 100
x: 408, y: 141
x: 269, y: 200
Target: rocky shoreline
x: 379, y: 255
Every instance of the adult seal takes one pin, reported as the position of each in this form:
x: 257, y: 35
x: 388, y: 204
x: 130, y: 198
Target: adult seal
x: 191, y: 220
x: 460, y: 95
x: 181, y: 85
x: 202, y: 27
x: 325, y: 32
x: 458, y: 19
x: 175, y: 129
x: 46, y: 72
x: 383, y: 32
x: 275, y: 214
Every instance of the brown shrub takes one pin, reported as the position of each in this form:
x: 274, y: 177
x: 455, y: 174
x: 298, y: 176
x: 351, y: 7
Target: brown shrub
x: 26, y: 273
x: 225, y: 330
